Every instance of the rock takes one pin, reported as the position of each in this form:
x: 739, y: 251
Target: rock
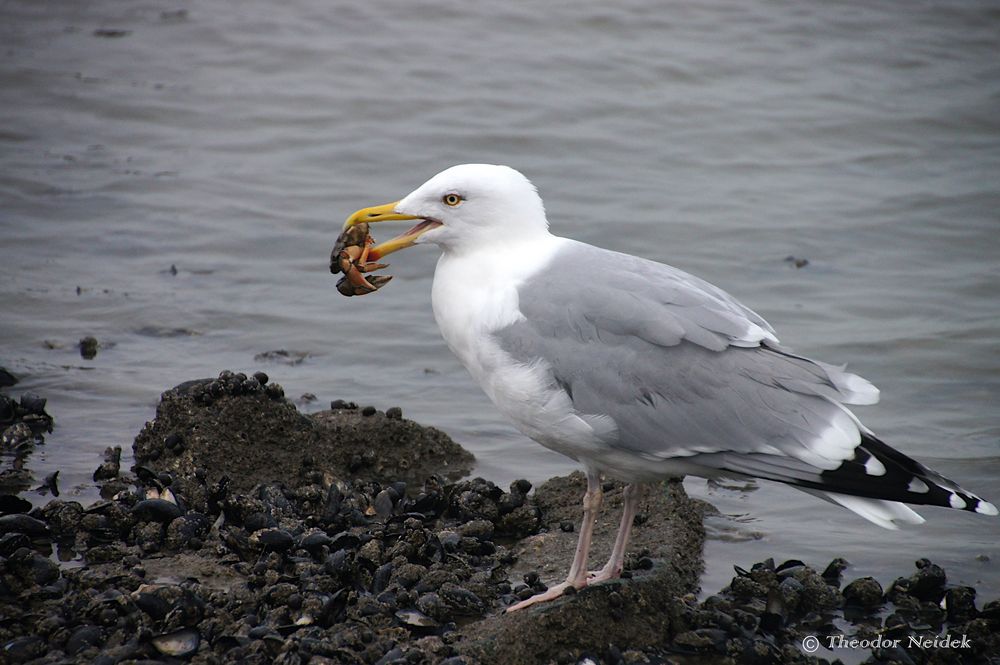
x: 960, y: 604
x: 864, y: 593
x: 32, y: 569
x: 251, y: 438
x: 63, y: 517
x: 586, y: 621
x: 833, y: 572
x: 88, y: 347
x: 11, y: 542
x: 928, y: 582
x: 187, y: 531
x: 111, y: 466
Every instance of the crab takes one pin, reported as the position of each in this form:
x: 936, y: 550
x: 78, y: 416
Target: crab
x: 350, y: 256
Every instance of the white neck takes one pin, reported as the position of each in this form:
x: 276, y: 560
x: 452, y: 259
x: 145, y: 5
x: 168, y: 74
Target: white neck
x: 475, y: 289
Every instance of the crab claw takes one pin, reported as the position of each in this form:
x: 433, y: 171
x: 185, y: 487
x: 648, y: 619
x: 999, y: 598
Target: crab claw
x: 378, y: 281
x: 364, y: 287
x: 335, y: 261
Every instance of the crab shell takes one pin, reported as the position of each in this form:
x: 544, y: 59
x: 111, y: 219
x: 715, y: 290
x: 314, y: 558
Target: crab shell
x: 345, y: 257
x: 354, y: 236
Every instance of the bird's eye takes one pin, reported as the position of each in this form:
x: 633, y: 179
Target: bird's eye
x: 451, y: 199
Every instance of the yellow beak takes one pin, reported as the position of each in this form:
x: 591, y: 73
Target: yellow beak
x: 382, y: 213
x: 387, y: 213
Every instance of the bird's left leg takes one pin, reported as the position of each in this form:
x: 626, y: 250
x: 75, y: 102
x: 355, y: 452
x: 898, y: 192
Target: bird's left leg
x: 613, y: 568
x: 577, y: 577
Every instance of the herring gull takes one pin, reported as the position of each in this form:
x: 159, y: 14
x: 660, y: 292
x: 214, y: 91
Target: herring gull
x: 639, y: 370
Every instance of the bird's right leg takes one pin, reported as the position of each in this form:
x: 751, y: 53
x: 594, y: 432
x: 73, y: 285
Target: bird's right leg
x: 613, y: 568
x: 577, y: 577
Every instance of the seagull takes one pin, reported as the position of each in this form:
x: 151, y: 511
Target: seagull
x: 638, y: 370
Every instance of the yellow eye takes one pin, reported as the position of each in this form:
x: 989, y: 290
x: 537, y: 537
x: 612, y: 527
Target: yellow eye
x: 452, y: 199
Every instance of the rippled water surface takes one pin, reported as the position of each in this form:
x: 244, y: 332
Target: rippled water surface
x: 229, y: 140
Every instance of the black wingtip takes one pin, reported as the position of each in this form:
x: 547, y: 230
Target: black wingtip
x: 878, y: 471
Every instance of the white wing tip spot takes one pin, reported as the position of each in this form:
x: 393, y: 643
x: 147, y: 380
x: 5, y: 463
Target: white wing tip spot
x: 918, y: 486
x: 873, y: 467
x: 956, y: 501
x: 986, y: 508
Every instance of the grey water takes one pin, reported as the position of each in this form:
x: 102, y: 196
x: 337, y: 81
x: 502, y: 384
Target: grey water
x: 228, y: 141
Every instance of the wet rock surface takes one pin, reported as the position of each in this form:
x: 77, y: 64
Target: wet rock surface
x: 244, y: 426
x: 636, y: 612
x: 790, y: 613
x: 24, y: 422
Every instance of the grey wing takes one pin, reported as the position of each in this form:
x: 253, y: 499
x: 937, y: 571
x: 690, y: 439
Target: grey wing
x: 679, y: 365
x: 686, y: 371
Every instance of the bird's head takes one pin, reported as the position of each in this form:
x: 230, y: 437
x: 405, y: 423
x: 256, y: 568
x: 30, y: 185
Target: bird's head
x: 462, y: 207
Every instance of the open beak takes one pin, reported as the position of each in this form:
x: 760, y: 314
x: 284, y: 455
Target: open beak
x: 387, y: 213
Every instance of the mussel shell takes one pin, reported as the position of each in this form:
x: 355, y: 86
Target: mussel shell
x: 83, y: 637
x: 147, y: 476
x: 789, y: 567
x: 152, y: 604
x: 259, y: 520
x: 179, y: 643
x: 384, y: 502
x: 380, y: 580
x: 314, y: 542
x: 272, y: 540
x: 20, y: 523
x: 416, y: 619
x: 344, y: 541
x: 156, y: 510
x: 227, y: 642
x: 11, y: 503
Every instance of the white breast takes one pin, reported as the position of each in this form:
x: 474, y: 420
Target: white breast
x: 475, y: 295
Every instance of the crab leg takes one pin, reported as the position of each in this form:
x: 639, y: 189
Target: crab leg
x: 356, y: 279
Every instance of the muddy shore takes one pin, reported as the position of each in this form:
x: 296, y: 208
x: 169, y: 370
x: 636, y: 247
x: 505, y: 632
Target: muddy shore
x: 249, y: 532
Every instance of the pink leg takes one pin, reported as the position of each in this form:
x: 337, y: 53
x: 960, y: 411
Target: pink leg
x: 613, y: 568
x: 577, y: 577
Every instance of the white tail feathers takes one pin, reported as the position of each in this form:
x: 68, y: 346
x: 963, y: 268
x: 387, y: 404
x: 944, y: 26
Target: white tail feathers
x: 886, y: 514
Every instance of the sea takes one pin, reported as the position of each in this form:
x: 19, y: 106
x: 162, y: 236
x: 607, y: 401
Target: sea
x: 174, y: 174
